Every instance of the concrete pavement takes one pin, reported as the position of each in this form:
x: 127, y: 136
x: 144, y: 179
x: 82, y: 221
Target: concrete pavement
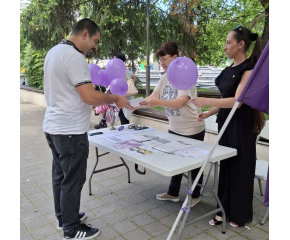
x: 121, y: 210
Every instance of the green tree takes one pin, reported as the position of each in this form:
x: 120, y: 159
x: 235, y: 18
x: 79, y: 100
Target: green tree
x: 33, y: 64
x: 123, y: 25
x: 206, y: 24
x: 46, y: 22
x: 198, y: 26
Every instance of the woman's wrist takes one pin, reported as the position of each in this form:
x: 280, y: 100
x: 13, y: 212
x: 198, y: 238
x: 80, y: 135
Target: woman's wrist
x: 156, y: 102
x: 208, y: 114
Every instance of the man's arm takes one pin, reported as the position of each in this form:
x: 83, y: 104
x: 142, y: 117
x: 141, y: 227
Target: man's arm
x: 95, y: 98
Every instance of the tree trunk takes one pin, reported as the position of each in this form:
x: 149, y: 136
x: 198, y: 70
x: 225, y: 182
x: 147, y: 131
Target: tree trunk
x: 133, y: 67
x: 265, y: 35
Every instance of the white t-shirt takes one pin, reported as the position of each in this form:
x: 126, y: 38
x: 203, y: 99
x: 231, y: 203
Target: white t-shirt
x: 128, y: 113
x: 183, y: 120
x: 64, y: 69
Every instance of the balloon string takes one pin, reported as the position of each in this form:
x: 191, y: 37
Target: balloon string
x: 196, y: 113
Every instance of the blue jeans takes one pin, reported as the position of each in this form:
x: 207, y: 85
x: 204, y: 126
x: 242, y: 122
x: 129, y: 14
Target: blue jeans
x: 70, y: 154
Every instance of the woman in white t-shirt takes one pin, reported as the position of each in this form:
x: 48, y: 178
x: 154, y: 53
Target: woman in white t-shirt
x: 181, y: 114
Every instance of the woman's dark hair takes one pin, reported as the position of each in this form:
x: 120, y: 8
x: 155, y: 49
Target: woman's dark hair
x: 120, y: 56
x: 244, y: 34
x: 259, y: 121
x: 169, y: 48
x: 86, y: 24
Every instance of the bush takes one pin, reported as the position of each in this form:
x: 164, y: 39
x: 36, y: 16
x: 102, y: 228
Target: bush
x: 32, y: 61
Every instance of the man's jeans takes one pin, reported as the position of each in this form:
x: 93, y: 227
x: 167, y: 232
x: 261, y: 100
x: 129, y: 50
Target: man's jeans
x: 70, y: 154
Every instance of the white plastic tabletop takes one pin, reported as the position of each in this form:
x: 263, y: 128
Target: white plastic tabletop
x: 160, y: 162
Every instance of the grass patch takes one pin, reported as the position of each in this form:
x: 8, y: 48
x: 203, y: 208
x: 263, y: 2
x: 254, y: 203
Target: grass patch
x: 207, y: 90
x: 205, y: 108
x: 140, y: 95
x: 158, y: 108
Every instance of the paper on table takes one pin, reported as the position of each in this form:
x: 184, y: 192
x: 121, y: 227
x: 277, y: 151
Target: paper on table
x: 191, y: 152
x: 143, y: 138
x: 155, y: 142
x: 173, y: 146
x: 140, y: 151
x: 136, y: 102
x: 120, y: 138
x: 114, y: 133
x: 127, y: 144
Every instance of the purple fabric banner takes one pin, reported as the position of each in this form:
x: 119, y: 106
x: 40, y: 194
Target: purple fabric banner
x: 266, y: 199
x: 256, y: 91
x: 256, y: 94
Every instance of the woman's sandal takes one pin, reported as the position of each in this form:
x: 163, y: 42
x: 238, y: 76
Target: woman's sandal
x: 235, y: 225
x: 216, y: 222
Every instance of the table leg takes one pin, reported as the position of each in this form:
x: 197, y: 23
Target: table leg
x: 90, y: 184
x: 220, y: 207
x: 217, y: 199
x: 105, y: 169
x: 265, y: 216
x: 127, y: 169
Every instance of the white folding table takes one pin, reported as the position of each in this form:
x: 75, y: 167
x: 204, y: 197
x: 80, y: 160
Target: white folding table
x: 165, y: 163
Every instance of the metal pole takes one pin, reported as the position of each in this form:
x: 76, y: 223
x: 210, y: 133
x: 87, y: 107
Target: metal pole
x: 203, y: 166
x: 147, y: 49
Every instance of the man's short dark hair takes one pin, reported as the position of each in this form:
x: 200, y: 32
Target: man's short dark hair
x: 86, y: 24
x: 121, y: 56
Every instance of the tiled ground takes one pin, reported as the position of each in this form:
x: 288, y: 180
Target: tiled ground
x: 121, y: 210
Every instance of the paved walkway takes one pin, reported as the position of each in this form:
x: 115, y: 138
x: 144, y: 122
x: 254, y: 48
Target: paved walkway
x: 119, y: 209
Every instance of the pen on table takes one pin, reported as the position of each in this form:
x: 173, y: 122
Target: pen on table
x: 121, y: 128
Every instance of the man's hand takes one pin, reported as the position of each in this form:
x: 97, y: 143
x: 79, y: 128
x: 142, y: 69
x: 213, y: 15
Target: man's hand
x: 122, y: 102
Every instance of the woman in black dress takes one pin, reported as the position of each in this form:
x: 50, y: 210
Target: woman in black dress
x: 236, y: 179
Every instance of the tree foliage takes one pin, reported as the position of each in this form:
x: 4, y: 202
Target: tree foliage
x: 33, y: 64
x: 198, y: 26
x: 207, y: 23
x: 46, y: 22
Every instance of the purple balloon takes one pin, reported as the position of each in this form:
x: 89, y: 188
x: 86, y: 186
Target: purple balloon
x: 104, y: 79
x: 119, y: 86
x: 95, y: 72
x: 116, y: 68
x: 182, y: 73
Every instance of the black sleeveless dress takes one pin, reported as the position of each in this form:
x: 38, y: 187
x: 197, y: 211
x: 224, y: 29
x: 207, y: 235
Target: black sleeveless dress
x: 236, y: 179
